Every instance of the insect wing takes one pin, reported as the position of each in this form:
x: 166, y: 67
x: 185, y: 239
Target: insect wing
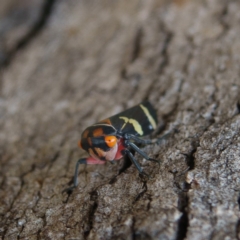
x: 140, y: 120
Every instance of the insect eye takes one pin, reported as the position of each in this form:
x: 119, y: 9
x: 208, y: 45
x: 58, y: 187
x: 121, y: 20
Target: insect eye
x: 110, y: 141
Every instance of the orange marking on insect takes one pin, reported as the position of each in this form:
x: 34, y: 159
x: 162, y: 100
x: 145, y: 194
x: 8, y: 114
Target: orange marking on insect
x: 80, y: 143
x: 110, y: 141
x: 85, y: 134
x: 91, y: 152
x: 100, y: 152
x: 89, y: 141
x: 98, y: 132
x: 107, y: 121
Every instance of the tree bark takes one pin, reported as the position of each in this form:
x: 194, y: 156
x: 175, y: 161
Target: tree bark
x: 67, y: 64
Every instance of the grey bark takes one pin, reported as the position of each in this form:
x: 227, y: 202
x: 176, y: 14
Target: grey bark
x: 82, y: 61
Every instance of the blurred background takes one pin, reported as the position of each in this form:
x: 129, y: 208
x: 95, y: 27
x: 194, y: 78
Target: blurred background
x: 66, y: 64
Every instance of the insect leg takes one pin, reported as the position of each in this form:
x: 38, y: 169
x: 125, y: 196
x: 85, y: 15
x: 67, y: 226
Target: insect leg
x: 126, y: 163
x: 89, y: 160
x: 138, y: 140
x: 164, y: 137
x: 148, y: 141
x: 134, y: 161
x: 143, y: 154
x: 75, y: 180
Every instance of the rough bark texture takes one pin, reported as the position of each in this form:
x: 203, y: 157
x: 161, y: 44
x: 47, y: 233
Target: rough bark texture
x: 67, y: 64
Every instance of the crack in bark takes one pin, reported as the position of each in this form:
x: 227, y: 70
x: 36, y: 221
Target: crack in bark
x: 38, y: 234
x: 190, y: 54
x: 238, y: 201
x: 183, y: 196
x: 140, y: 235
x: 238, y: 230
x: 132, y: 228
x: 137, y: 45
x: 32, y: 33
x: 164, y: 53
x: 141, y: 194
x: 190, y: 159
x: 238, y: 107
x: 183, y: 222
x: 164, y: 63
x: 222, y: 20
x: 135, y: 54
x: 92, y: 210
x: 183, y: 202
x: 238, y: 222
x: 167, y: 117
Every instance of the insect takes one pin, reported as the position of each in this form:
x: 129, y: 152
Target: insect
x: 115, y: 137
